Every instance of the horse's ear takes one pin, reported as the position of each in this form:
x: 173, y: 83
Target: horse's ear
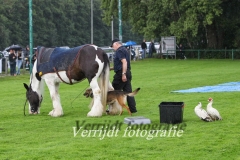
x: 26, y: 86
x: 38, y: 76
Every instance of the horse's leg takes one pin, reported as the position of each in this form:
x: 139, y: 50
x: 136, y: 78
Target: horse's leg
x: 110, y: 87
x: 97, y: 108
x: 91, y: 104
x: 57, y: 107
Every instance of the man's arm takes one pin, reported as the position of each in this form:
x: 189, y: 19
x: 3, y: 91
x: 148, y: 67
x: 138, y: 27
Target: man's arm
x: 124, y: 65
x: 124, y: 70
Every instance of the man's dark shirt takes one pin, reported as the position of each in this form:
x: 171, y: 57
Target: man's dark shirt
x: 121, y: 53
x: 144, y: 45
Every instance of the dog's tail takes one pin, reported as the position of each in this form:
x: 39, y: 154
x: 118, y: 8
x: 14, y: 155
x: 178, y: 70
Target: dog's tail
x: 134, y: 92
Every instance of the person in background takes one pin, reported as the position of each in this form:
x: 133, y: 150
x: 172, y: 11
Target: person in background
x: 26, y: 57
x: 122, y: 68
x: 144, y: 48
x: 19, y: 61
x: 181, y: 49
x: 12, y: 61
x: 151, y: 49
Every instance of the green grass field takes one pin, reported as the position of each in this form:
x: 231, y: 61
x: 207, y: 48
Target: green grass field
x: 44, y: 137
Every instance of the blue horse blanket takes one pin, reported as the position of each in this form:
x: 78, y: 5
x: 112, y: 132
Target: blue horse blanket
x: 56, y: 59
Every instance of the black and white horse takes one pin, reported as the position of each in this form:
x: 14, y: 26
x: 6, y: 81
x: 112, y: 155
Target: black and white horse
x: 56, y: 65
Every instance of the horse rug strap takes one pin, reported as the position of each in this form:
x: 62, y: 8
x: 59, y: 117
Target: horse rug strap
x: 50, y: 60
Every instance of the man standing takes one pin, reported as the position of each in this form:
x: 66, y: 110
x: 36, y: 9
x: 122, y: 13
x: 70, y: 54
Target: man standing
x: 27, y: 58
x: 144, y: 48
x: 12, y: 60
x: 181, y: 49
x: 123, y: 76
x: 151, y: 49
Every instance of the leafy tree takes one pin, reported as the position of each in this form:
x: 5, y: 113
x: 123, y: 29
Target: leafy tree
x: 198, y: 24
x: 201, y: 24
x: 55, y: 23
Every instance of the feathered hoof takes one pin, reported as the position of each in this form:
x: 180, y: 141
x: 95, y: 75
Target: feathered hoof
x: 94, y: 114
x: 56, y: 113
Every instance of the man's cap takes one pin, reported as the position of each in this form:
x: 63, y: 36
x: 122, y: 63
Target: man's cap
x: 113, y: 41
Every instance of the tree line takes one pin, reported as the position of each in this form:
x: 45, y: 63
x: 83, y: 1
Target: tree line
x: 202, y: 24
x: 56, y: 23
x: 196, y: 23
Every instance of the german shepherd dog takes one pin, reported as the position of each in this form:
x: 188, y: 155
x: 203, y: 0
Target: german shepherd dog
x: 116, y: 100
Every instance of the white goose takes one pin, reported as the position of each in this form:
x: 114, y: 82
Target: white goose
x: 201, y: 113
x: 212, y: 111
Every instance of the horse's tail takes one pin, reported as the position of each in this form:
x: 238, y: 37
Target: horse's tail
x: 104, y: 81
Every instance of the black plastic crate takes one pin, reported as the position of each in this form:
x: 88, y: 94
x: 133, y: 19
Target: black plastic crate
x: 171, y: 112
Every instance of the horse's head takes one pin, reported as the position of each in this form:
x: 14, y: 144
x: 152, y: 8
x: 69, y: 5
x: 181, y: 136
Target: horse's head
x: 33, y: 98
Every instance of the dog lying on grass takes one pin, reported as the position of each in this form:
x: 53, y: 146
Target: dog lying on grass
x: 116, y: 100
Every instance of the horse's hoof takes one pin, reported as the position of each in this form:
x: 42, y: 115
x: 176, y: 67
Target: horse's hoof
x: 55, y: 113
x: 91, y: 114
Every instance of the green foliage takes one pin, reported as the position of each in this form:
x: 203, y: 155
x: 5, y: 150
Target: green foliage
x: 44, y: 137
x: 198, y: 24
x: 55, y: 23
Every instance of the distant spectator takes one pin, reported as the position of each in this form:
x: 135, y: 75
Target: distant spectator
x: 26, y: 56
x: 12, y: 61
x: 144, y: 48
x: 181, y: 50
x: 151, y: 49
x: 19, y: 61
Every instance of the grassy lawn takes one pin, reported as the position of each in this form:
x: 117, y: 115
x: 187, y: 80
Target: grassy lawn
x: 44, y: 137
